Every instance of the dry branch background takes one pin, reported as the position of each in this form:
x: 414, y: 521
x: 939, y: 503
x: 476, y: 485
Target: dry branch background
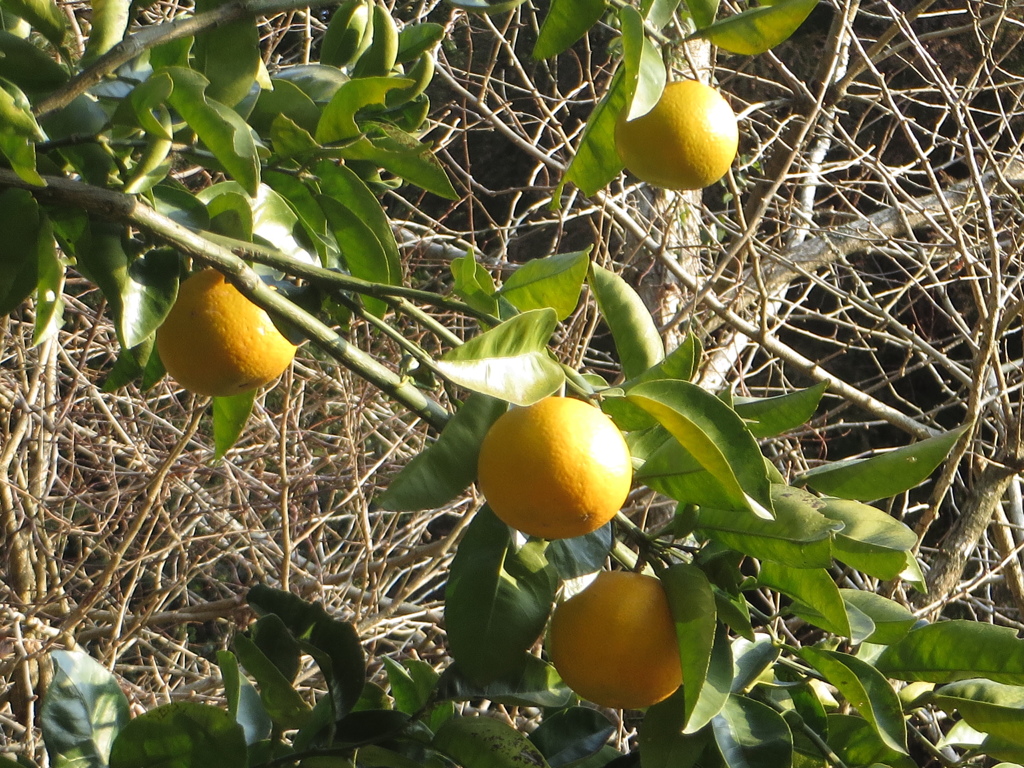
x: 870, y: 235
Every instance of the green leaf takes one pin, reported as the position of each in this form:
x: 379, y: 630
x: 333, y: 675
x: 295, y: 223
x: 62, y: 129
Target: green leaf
x: 892, y: 621
x: 510, y: 361
x: 348, y: 34
x: 565, y: 23
x: 751, y: 660
x: 412, y: 683
x: 750, y: 734
x: 27, y: 66
x: 281, y: 702
x: 473, y: 284
x: 417, y: 39
x: 771, y: 416
x: 334, y: 644
x: 286, y: 101
x: 571, y: 734
x: 871, y: 540
x: 717, y: 685
x: 379, y: 57
x: 992, y: 708
x: 109, y: 22
x: 757, y: 30
x: 714, y: 436
x: 681, y: 363
x: 445, y: 468
x: 402, y: 154
x: 180, y: 735
x: 554, y: 281
x: 581, y: 555
x: 318, y: 81
x: 44, y: 16
x: 637, y: 339
x: 956, y: 650
x: 703, y: 12
x: 486, y: 6
x: 483, y: 742
x: 857, y: 742
x: 221, y: 129
x: 20, y: 152
x: 537, y: 684
x: 663, y: 741
x: 82, y: 713
x: 867, y: 690
x: 243, y: 700
x: 49, y: 284
x: 337, y: 123
x: 230, y: 415
x: 799, y: 536
x: 228, y: 55
x: 148, y: 294
x: 596, y: 161
x: 693, y: 610
x: 497, y: 599
x: 884, y: 475
x: 641, y: 59
x: 362, y: 252
x: 812, y: 587
x: 20, y: 221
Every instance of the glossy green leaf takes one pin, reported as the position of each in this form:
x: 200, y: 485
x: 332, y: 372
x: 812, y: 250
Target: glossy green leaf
x: 770, y: 416
x: 759, y: 29
x: 417, y: 39
x: 287, y: 100
x: 180, y: 735
x: 20, y: 221
x: 596, y: 162
x: 799, y: 536
x: 318, y: 81
x: 361, y: 250
x: 751, y: 660
x: 230, y: 415
x: 334, y: 644
x: 82, y: 712
x: 337, y: 123
x: 936, y: 653
x: 871, y: 540
x: 243, y: 700
x: 510, y: 361
x: 412, y: 683
x: 445, y: 468
x: 486, y: 6
x: 884, y: 475
x: 693, y: 611
x: 682, y: 363
x: 485, y: 742
x: 663, y: 742
x: 856, y: 742
x: 641, y: 59
x: 867, y: 690
x: 44, y: 16
x: 348, y: 33
x: 703, y: 12
x: 537, y: 684
x: 716, y: 686
x: 147, y: 294
x: 497, y: 599
x: 27, y: 66
x: 812, y: 587
x: 474, y: 284
x: 991, y: 708
x: 892, y: 621
x: 750, y: 734
x: 379, y: 57
x: 16, y: 113
x: 565, y: 23
x: 580, y: 555
x: 402, y: 154
x: 228, y: 55
x: 20, y: 152
x: 715, y: 436
x: 571, y: 734
x: 109, y: 22
x: 281, y: 701
x: 636, y: 336
x: 221, y: 129
x: 553, y: 281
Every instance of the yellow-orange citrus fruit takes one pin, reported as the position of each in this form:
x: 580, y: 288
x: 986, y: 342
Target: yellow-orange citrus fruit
x: 216, y: 342
x: 687, y: 141
x: 555, y: 469
x: 615, y: 644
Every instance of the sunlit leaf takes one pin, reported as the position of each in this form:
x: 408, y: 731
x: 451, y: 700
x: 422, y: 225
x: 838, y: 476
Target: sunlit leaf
x: 937, y: 653
x: 337, y: 123
x: 554, y: 281
x: 693, y: 611
x: 109, y: 21
x: 892, y: 621
x: 402, y: 154
x: 485, y: 742
x: 596, y: 161
x: 750, y: 734
x: 230, y: 415
x: 641, y: 59
x: 474, y: 284
x: 703, y: 12
x: 45, y: 17
x: 537, y: 684
x: 565, y: 23
x: 759, y: 29
x: 992, y: 708
x: 871, y: 540
x: 180, y: 735
x: 812, y: 587
x: 636, y: 336
x: 770, y: 416
x: 348, y: 33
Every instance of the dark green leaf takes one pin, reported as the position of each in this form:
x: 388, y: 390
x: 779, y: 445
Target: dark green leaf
x: 892, y: 621
x: 641, y: 59
x: 510, y: 361
x: 856, y: 742
x: 759, y: 29
x: 483, y: 742
x: 750, y: 734
x: 82, y: 713
x: 663, y: 742
x: 228, y: 55
x: 565, y: 23
x: 417, y: 39
x: 581, y: 555
x: 243, y: 700
x: 282, y: 702
x: 44, y: 15
x: 714, y: 436
x: 717, y: 684
x: 318, y: 81
x: 884, y: 475
x: 799, y: 536
x: 497, y: 599
x: 286, y: 100
x: 362, y: 252
x: 812, y: 587
x: 937, y: 653
x: 992, y: 708
x: 536, y: 685
x: 571, y: 734
x: 637, y: 339
x: 486, y: 6
x: 402, y: 154
x: 148, y: 294
x: 770, y: 416
x: 871, y: 540
x: 20, y: 221
x: 369, y: 725
x: 596, y: 161
x: 27, y: 66
x: 412, y: 682
x: 693, y: 610
x: 445, y: 469
x: 230, y: 415
x: 751, y: 660
x: 554, y: 281
x: 181, y: 735
x: 867, y: 690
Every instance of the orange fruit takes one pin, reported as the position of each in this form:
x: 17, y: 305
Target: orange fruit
x: 687, y: 141
x: 555, y: 469
x: 615, y: 643
x: 216, y: 342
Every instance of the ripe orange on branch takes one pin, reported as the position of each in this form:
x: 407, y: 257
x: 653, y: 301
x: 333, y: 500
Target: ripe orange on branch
x: 216, y: 342
x: 615, y: 643
x: 556, y: 469
x: 687, y: 141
